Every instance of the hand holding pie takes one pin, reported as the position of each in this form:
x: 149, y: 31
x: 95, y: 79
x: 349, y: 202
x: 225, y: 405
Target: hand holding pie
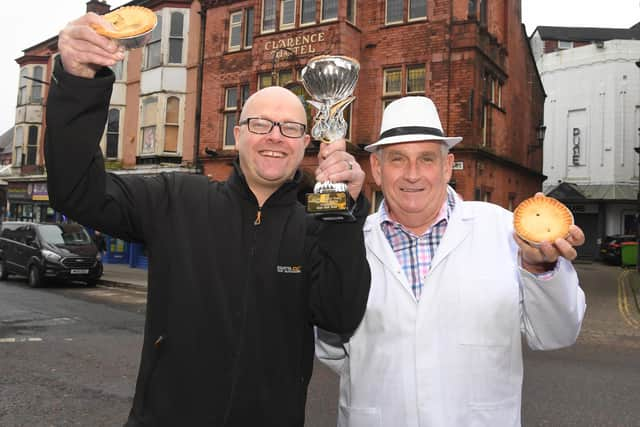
x: 544, y: 231
x: 132, y: 26
x: 539, y: 219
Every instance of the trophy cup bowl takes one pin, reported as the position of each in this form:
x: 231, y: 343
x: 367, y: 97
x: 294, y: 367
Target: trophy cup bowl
x: 330, y: 81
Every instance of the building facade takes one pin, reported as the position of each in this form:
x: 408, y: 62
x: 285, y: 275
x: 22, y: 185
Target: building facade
x: 592, y: 115
x: 151, y: 119
x: 176, y: 100
x: 471, y: 57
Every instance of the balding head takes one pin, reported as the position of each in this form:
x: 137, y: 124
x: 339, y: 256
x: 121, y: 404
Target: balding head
x: 274, y: 95
x: 270, y: 159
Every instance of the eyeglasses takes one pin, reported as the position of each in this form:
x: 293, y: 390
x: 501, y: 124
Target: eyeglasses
x: 262, y: 126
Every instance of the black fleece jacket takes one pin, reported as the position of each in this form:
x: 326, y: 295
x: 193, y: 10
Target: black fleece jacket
x: 232, y: 301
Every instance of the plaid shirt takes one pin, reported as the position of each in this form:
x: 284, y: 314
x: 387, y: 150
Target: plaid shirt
x: 415, y: 253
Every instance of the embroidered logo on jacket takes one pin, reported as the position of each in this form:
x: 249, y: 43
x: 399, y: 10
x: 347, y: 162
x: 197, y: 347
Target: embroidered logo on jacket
x: 289, y: 269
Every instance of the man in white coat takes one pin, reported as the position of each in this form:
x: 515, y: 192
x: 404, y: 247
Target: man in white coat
x: 453, y: 288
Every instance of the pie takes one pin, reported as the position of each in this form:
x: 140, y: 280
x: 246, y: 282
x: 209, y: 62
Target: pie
x: 128, y: 21
x: 539, y: 219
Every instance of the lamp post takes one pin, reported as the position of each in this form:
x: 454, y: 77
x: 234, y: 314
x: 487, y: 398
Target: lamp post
x: 274, y: 60
x: 637, y: 150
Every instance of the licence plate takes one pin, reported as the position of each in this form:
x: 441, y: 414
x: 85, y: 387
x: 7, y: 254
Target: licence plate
x: 79, y: 271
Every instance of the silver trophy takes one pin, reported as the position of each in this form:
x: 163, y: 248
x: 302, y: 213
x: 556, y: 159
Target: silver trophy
x: 330, y: 81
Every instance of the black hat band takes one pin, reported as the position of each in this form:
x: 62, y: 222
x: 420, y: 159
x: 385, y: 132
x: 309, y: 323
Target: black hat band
x: 411, y: 130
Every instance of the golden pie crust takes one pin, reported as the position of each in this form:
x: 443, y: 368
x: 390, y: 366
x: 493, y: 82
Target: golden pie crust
x: 128, y: 21
x: 539, y: 219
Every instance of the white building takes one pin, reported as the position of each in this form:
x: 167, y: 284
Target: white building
x: 592, y: 118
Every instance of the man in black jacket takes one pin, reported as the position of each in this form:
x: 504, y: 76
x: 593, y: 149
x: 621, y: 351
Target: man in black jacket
x: 238, y: 273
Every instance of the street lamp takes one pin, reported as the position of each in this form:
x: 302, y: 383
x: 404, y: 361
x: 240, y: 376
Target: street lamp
x: 540, y: 132
x: 274, y: 60
x: 637, y: 150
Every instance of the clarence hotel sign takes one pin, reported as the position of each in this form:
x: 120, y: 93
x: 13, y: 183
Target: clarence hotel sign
x: 298, y: 45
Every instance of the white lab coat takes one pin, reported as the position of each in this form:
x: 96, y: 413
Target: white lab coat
x: 454, y: 357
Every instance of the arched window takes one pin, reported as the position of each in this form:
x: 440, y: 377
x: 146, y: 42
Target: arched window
x: 149, y: 121
x: 172, y: 125
x: 113, y: 133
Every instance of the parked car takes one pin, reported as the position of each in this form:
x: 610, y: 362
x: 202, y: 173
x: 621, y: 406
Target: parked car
x: 45, y: 251
x: 610, y: 248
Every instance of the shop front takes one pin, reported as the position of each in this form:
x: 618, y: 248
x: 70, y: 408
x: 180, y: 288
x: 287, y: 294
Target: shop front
x: 29, y: 201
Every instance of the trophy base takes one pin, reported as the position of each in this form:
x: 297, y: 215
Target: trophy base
x: 330, y: 206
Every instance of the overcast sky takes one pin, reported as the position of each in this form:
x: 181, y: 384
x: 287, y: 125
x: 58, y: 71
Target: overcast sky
x: 28, y: 22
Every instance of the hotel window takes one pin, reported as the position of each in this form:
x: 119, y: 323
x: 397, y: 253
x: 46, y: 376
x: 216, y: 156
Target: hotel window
x: 287, y: 13
x: 149, y: 121
x: 166, y: 45
x: 393, y: 11
x: 176, y: 38
x: 235, y: 31
x: 417, y: 9
x: 268, y: 16
x: 395, y: 84
x: 154, y: 54
x: 265, y: 80
x: 248, y: 27
x: 113, y: 133
x: 415, y: 79
x: 485, y: 123
x: 329, y: 10
x: 172, y: 124
x: 392, y: 81
x: 241, y: 29
x: 17, y: 146
x: 32, y: 146
x: 282, y: 78
x: 351, y: 11
x: 22, y: 90
x: 232, y: 110
x: 492, y: 89
x: 36, y: 85
x: 308, y: 13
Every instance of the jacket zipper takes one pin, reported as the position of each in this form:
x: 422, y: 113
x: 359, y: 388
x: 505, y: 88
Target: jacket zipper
x: 234, y: 372
x: 258, y: 220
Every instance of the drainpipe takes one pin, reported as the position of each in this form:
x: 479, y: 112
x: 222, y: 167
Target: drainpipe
x: 198, y: 120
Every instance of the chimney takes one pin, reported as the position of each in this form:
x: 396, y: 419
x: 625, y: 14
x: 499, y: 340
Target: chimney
x: 99, y: 7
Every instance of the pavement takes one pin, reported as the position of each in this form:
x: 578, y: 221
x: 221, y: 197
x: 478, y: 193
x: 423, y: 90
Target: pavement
x: 632, y: 280
x: 121, y: 275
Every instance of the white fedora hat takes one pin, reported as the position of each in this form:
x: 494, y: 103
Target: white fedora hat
x: 410, y: 119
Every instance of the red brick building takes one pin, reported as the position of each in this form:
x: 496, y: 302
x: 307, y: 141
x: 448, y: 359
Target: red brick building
x: 471, y: 57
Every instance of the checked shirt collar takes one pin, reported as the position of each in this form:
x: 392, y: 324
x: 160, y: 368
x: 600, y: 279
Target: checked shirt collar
x: 415, y: 253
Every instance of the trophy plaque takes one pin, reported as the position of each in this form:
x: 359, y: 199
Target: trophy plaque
x: 330, y: 81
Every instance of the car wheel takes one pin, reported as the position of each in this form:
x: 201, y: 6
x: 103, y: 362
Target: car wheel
x: 35, y: 280
x: 3, y: 271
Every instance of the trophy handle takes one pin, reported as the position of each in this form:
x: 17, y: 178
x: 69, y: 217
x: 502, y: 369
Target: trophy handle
x: 339, y: 106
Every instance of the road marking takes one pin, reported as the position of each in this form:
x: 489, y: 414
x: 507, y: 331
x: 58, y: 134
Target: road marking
x: 623, y: 301
x: 25, y: 339
x: 13, y: 340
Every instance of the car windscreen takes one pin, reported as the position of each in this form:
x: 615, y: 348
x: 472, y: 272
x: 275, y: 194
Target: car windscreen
x: 64, y: 234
